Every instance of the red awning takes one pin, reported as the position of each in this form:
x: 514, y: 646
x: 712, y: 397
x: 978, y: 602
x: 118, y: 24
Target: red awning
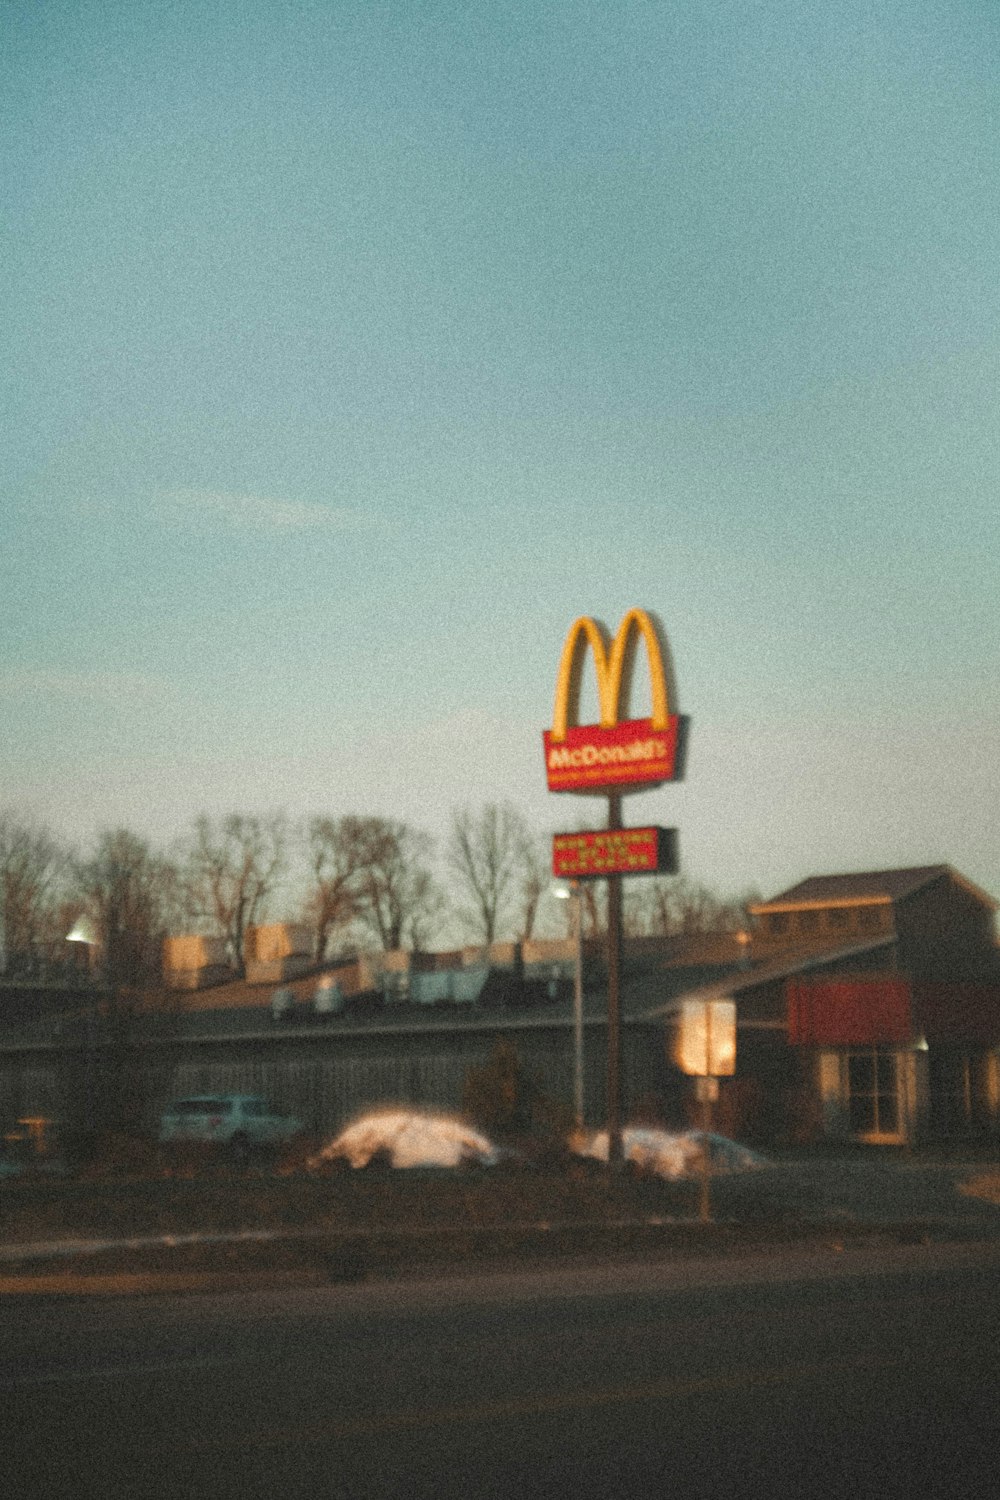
x: 848, y: 1012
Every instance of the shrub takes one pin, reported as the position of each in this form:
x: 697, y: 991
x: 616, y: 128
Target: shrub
x: 504, y: 1100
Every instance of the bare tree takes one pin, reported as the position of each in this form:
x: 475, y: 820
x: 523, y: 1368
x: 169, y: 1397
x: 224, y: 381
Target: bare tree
x: 126, y: 890
x: 679, y: 907
x: 31, y: 864
x: 427, y: 906
x: 489, y: 855
x: 232, y: 869
x: 336, y: 851
x: 594, y: 908
x: 397, y: 896
x: 535, y: 878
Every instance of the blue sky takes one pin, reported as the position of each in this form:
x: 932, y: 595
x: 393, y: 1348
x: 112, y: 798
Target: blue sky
x: 352, y: 350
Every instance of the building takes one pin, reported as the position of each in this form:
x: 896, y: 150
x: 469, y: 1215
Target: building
x: 868, y: 1010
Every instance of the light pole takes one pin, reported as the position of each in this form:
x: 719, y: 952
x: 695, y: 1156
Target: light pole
x: 84, y: 933
x: 574, y: 893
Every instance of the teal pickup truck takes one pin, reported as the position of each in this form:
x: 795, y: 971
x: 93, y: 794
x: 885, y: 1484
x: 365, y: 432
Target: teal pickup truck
x: 239, y: 1122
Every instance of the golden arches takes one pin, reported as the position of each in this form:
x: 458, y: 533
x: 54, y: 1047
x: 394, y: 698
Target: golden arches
x: 614, y: 670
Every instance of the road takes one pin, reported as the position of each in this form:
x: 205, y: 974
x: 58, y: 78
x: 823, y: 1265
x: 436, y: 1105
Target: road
x: 854, y: 1372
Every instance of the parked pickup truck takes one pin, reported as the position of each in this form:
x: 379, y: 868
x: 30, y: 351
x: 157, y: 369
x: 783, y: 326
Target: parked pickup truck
x: 240, y: 1122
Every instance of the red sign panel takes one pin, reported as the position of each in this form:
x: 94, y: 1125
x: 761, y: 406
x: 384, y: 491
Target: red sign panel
x: 629, y: 755
x: 848, y: 1012
x: 614, y: 851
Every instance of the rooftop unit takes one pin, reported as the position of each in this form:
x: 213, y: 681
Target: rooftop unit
x: 192, y: 963
x: 276, y: 951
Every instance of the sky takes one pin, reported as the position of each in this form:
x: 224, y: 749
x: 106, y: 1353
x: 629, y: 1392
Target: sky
x: 354, y: 349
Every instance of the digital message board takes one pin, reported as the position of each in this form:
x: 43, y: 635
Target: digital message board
x: 614, y: 851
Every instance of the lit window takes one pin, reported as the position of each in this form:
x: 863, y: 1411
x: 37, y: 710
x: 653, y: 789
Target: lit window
x: 873, y: 1092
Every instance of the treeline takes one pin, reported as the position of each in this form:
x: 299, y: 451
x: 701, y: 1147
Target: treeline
x: 357, y: 882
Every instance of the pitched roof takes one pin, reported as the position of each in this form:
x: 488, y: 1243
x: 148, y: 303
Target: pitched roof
x: 782, y: 966
x: 889, y: 885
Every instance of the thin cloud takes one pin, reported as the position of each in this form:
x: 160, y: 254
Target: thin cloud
x: 77, y: 686
x: 265, y: 513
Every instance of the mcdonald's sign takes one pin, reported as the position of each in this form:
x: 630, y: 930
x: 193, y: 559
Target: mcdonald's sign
x: 620, y: 753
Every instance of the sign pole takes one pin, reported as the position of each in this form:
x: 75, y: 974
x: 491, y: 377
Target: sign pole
x: 704, y: 1045
x: 704, y: 1203
x: 614, y: 997
x: 578, y: 1089
x: 704, y: 1206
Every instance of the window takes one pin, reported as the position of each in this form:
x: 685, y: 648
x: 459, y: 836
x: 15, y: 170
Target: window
x: 838, y: 917
x: 808, y: 921
x: 777, y: 923
x: 873, y: 1089
x: 870, y: 918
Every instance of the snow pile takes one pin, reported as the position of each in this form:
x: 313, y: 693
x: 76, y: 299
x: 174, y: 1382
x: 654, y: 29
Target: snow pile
x: 730, y: 1156
x: 674, y: 1155
x: 407, y: 1138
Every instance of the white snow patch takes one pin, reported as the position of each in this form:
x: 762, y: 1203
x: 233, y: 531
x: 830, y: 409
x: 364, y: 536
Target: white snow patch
x: 674, y: 1155
x: 409, y: 1139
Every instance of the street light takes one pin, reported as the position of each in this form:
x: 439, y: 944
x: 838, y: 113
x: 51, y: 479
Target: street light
x: 84, y: 932
x: 573, y: 892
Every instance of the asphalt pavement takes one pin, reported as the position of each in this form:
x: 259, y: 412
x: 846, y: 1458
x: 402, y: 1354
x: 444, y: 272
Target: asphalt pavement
x: 868, y: 1371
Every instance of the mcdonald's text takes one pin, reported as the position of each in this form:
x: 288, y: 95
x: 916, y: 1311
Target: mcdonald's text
x: 633, y: 754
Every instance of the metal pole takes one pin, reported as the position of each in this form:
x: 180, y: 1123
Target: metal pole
x: 614, y: 998
x: 704, y: 1203
x: 578, y: 1007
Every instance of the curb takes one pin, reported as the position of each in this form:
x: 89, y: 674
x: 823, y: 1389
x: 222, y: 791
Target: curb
x: 152, y: 1283
x: 352, y: 1258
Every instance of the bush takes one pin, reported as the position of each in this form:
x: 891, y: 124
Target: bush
x: 503, y: 1099
x: 497, y: 1097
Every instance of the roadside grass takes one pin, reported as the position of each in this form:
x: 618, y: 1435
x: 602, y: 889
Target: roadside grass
x: 131, y: 1189
x: 216, y: 1199
x: 343, y: 1225
x: 128, y: 1188
x: 335, y: 1224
